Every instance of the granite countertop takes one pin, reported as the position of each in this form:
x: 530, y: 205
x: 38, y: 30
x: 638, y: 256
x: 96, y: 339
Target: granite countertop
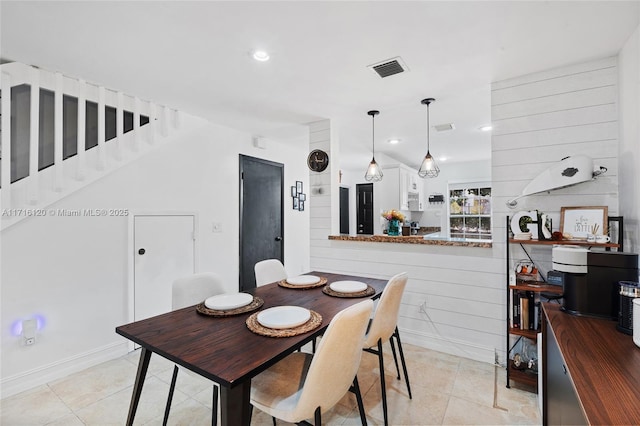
x: 412, y: 239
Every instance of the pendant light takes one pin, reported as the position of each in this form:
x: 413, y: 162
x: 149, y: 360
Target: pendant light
x: 428, y: 168
x: 374, y: 173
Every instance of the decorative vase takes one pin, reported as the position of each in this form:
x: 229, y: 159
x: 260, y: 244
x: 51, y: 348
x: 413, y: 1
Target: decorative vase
x: 394, y: 228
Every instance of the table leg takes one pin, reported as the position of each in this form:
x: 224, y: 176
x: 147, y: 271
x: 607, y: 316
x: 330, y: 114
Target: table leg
x: 235, y: 405
x: 143, y: 364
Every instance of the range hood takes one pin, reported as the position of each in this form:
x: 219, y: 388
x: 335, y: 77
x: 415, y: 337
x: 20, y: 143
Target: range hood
x: 568, y: 172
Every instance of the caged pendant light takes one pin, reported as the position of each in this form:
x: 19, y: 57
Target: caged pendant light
x: 374, y: 173
x: 428, y: 168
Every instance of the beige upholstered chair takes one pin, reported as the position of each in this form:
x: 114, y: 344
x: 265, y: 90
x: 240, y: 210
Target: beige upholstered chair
x: 269, y: 271
x: 185, y: 292
x: 384, y: 328
x: 303, y: 386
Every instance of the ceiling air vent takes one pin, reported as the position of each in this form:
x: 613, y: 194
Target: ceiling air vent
x: 444, y: 127
x: 389, y: 67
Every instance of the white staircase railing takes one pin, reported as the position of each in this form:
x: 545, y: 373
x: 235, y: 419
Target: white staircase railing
x: 29, y: 197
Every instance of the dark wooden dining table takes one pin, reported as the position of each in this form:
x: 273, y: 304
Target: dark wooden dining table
x: 224, y: 350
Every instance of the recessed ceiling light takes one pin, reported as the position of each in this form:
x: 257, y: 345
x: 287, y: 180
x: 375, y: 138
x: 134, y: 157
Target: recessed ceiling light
x: 394, y: 141
x: 260, y: 55
x: 443, y: 159
x: 486, y: 128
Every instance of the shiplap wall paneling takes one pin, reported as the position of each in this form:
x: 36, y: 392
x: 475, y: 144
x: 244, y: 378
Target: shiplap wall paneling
x: 539, y: 119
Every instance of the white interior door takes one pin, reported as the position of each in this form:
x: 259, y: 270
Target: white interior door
x: 163, y: 249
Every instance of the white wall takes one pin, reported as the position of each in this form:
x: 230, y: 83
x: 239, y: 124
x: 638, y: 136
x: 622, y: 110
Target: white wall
x: 539, y: 119
x: 629, y: 149
x: 74, y: 272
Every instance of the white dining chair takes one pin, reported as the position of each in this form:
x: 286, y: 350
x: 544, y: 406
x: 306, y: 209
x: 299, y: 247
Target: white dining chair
x: 185, y: 292
x: 383, y: 328
x: 303, y: 386
x: 268, y: 271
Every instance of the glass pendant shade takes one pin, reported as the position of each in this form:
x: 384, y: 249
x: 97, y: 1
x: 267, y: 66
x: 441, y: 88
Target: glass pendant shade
x: 374, y: 172
x: 428, y: 168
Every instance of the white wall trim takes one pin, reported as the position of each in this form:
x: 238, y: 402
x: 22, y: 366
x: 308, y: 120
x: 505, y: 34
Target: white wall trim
x: 62, y: 368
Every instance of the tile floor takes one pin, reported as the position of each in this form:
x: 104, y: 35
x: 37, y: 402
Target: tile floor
x: 447, y: 390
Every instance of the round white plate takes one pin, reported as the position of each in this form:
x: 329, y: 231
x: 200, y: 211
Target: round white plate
x: 303, y: 280
x: 348, y: 286
x: 283, y: 317
x: 226, y: 302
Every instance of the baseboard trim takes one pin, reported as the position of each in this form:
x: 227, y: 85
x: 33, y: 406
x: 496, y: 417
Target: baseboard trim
x: 450, y: 346
x: 39, y: 376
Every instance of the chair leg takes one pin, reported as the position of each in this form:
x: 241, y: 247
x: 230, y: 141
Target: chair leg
x: 395, y: 358
x: 170, y: 397
x: 404, y: 364
x: 317, y: 417
x: 383, y: 386
x: 214, y: 407
x: 356, y: 390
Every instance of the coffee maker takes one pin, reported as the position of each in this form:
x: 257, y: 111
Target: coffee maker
x: 590, y: 279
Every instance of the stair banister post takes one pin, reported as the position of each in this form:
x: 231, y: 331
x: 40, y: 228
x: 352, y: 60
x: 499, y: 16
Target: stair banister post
x: 176, y: 118
x: 82, y: 130
x: 57, y: 133
x: 136, y: 124
x: 164, y: 125
x: 153, y: 123
x: 5, y: 140
x: 102, y: 155
x: 34, y: 130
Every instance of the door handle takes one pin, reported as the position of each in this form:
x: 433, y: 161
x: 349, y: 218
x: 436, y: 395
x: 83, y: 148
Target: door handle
x: 141, y: 251
x: 278, y: 238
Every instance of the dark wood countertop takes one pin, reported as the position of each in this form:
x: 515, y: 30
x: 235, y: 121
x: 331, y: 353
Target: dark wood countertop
x: 604, y: 365
x: 411, y: 239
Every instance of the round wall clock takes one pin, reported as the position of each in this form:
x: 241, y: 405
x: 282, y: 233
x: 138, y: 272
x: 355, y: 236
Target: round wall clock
x: 318, y: 160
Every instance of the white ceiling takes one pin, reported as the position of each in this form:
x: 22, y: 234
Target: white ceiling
x: 195, y: 56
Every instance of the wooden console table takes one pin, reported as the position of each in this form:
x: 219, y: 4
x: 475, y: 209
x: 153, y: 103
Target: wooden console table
x: 591, y: 371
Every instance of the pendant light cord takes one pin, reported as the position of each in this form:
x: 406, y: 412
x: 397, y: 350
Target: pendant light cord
x: 373, y: 135
x: 428, y: 126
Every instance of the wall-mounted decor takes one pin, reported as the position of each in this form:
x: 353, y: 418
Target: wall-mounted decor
x: 579, y: 222
x: 298, y: 196
x: 318, y: 160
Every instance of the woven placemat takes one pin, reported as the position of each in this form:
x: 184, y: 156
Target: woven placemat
x: 284, y: 283
x: 257, y: 302
x: 313, y: 323
x: 370, y: 291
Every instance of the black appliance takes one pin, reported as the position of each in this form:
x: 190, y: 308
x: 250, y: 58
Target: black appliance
x: 628, y: 291
x: 596, y: 293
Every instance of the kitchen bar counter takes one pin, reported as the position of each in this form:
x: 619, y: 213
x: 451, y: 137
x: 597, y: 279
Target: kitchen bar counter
x: 413, y: 239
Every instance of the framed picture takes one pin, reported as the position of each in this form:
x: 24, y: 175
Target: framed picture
x: 301, y: 205
x: 303, y: 197
x: 295, y: 203
x: 299, y: 186
x: 294, y: 191
x: 582, y: 221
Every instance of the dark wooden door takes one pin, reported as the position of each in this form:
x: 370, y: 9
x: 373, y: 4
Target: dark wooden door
x: 344, y: 210
x: 364, y: 200
x: 261, y: 215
